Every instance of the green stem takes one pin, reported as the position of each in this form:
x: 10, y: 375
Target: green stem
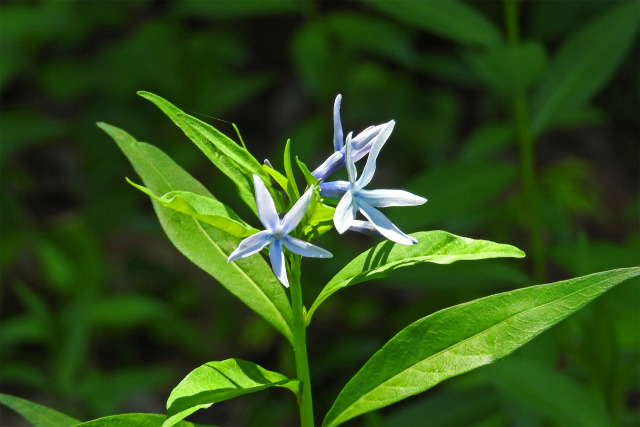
x: 300, y: 344
x: 527, y: 154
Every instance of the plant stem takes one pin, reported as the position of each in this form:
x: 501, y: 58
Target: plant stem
x: 527, y: 154
x: 300, y: 344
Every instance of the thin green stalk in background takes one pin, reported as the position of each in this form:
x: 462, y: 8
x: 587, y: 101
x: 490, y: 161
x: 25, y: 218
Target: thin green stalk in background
x: 300, y: 344
x: 527, y: 156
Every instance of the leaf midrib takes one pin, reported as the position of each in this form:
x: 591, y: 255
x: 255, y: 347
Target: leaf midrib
x: 249, y: 279
x: 418, y: 258
x: 464, y: 341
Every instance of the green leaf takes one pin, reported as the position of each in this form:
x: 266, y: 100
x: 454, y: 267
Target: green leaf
x: 37, y: 415
x: 549, y: 392
x: 460, y: 194
x: 318, y: 219
x: 202, y: 208
x: 288, y: 170
x: 443, y: 409
x: 311, y: 180
x: 438, y: 247
x: 509, y: 70
x: 233, y: 160
x: 451, y: 19
x: 461, y: 338
x: 282, y: 181
x: 486, y: 141
x: 133, y: 420
x: 250, y: 279
x: 585, y: 62
x: 217, y: 381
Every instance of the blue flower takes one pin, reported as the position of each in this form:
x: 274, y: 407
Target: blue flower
x: 276, y: 233
x: 361, y: 145
x: 354, y: 198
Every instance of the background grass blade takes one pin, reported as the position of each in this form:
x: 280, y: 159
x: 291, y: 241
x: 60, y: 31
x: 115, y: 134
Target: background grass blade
x: 438, y: 247
x: 549, y: 392
x: 37, y: 415
x: 451, y: 19
x: 461, y: 338
x: 217, y: 381
x: 250, y: 279
x: 583, y: 65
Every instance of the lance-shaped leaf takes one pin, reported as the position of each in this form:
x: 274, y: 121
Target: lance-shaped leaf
x: 438, y: 247
x: 232, y: 159
x: 217, y: 381
x: 289, y: 170
x: 134, y: 420
x: 249, y: 279
x: 454, y: 20
x: 206, y: 209
x: 284, y: 183
x: 37, y: 415
x: 319, y: 218
x: 549, y: 392
x: 585, y: 62
x: 460, y: 338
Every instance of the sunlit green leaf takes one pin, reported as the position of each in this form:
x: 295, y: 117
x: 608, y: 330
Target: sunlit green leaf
x: 318, y: 219
x: 282, y: 181
x: 134, y: 420
x: 451, y: 19
x: 217, y: 381
x: 233, y: 160
x: 460, y: 338
x: 585, y: 62
x: 37, y: 415
x: 289, y: 171
x: 203, y: 208
x: 249, y: 279
x: 311, y: 180
x: 438, y: 247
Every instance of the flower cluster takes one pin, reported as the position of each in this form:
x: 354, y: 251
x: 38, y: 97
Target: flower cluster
x: 352, y: 195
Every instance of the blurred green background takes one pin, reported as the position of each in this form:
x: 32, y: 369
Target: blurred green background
x: 100, y: 314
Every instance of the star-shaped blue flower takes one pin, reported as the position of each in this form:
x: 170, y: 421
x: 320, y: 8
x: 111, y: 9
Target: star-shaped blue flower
x: 276, y: 232
x: 361, y: 145
x: 355, y: 198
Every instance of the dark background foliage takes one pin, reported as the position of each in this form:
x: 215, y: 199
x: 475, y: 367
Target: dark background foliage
x: 100, y: 314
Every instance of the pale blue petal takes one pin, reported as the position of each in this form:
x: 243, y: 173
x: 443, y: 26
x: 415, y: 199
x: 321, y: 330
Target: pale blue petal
x: 365, y: 227
x: 384, y: 198
x: 266, y: 208
x: 334, y: 189
x: 250, y: 245
x: 361, y: 144
x: 351, y: 167
x: 345, y: 213
x: 338, y: 141
x: 303, y: 248
x: 370, y: 167
x: 384, y: 225
x: 277, y: 262
x: 329, y: 166
x: 293, y: 217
